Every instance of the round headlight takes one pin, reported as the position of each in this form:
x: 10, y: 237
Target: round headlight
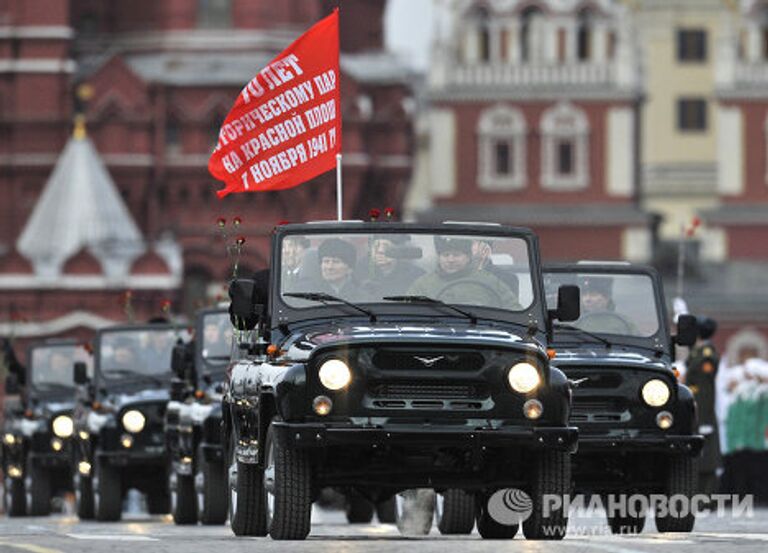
x: 134, y: 421
x: 524, y: 378
x: 656, y: 392
x: 63, y: 426
x: 334, y: 374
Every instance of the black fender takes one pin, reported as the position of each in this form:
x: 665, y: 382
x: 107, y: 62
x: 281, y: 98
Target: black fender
x: 685, y: 411
x: 556, y: 398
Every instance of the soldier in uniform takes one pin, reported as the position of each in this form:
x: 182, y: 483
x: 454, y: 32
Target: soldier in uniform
x: 457, y: 280
x: 598, y: 311
x: 700, y: 377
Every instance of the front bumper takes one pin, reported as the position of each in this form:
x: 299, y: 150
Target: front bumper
x: 629, y: 441
x: 313, y: 435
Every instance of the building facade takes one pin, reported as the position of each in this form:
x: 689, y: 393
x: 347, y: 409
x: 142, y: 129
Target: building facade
x: 160, y: 77
x: 533, y: 120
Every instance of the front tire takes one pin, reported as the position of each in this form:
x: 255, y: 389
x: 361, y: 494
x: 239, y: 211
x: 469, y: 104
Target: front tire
x: 552, y: 476
x: 83, y: 496
x: 108, y: 493
x: 681, y: 480
x: 247, y: 499
x: 183, y: 499
x: 288, y: 482
x: 455, y: 512
x: 39, y: 486
x: 415, y: 511
x: 15, y: 497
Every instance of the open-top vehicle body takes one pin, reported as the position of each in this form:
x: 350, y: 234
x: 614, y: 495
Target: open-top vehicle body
x: 119, y: 420
x: 637, y: 424
x: 432, y: 374
x: 36, y: 445
x: 193, y: 422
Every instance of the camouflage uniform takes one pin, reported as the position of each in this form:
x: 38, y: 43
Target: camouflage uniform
x: 468, y: 286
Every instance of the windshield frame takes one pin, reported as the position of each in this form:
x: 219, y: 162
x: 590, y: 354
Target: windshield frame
x: 99, y: 377
x: 53, y: 344
x: 660, y: 340
x: 282, y: 313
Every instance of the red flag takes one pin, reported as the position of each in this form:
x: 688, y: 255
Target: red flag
x: 285, y: 127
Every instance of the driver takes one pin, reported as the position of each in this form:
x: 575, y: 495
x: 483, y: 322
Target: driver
x: 456, y: 280
x: 216, y: 337
x: 60, y: 367
x: 123, y: 356
x: 157, y: 353
x: 598, y: 311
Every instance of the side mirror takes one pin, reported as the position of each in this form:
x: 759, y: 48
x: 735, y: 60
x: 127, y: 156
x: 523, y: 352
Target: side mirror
x: 12, y: 385
x: 81, y: 373
x: 687, y: 330
x: 568, y: 304
x: 244, y: 313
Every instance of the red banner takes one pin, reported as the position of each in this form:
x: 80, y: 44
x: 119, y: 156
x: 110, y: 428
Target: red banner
x: 285, y: 127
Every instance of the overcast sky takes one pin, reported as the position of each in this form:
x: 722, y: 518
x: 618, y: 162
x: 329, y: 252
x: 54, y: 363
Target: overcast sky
x: 407, y: 30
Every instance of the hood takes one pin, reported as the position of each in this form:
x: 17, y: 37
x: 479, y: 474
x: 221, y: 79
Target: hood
x: 603, y: 357
x: 301, y: 345
x: 57, y: 407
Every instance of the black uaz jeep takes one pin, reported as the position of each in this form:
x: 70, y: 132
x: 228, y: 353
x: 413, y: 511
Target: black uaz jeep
x: 399, y: 356
x: 36, y: 444
x: 193, y: 422
x: 637, y: 424
x: 119, y: 419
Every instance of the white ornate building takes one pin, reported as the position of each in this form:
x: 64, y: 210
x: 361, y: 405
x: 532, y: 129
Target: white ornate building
x: 532, y: 120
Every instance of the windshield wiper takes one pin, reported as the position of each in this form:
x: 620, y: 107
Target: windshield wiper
x: 136, y: 375
x: 324, y: 298
x: 432, y: 301
x: 561, y: 326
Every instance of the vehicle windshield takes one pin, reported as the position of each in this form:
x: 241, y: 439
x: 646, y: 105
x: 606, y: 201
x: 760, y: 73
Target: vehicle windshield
x: 217, y: 337
x: 621, y: 304
x: 53, y: 366
x: 144, y: 352
x: 480, y: 271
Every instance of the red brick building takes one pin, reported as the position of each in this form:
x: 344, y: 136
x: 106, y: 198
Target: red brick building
x: 533, y: 120
x: 163, y: 74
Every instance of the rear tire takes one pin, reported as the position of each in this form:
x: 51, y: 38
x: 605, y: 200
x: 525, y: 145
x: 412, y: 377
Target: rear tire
x: 39, y: 485
x: 359, y: 509
x: 552, y: 476
x: 386, y: 511
x: 291, y: 517
x: 487, y: 527
x: 183, y: 499
x: 15, y: 497
x: 457, y: 515
x: 415, y: 511
x: 213, y: 492
x: 681, y: 480
x: 108, y: 493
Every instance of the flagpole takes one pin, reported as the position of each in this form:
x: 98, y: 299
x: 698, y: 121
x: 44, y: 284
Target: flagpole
x: 338, y: 187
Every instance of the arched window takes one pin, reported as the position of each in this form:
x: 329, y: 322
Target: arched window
x: 565, y: 148
x: 584, y: 25
x: 501, y: 134
x: 530, y: 33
